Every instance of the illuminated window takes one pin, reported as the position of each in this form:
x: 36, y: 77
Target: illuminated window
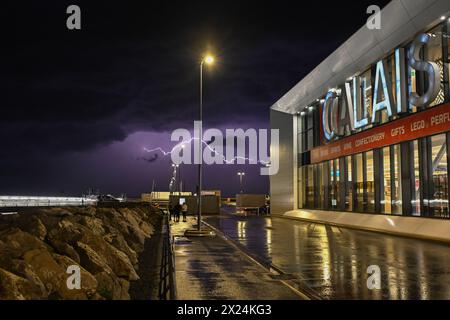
x: 370, y: 182
x: 302, y: 186
x: 301, y: 123
x: 397, y: 181
x: 322, y: 176
x: 332, y: 191
x: 308, y: 128
x: 310, y: 186
x: 349, y: 184
x: 337, y: 177
x: 415, y: 196
x: 359, y: 179
x: 386, y: 187
x: 334, y: 183
x: 439, y: 196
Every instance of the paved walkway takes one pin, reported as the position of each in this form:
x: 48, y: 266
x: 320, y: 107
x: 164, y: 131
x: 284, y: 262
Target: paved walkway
x: 212, y: 269
x: 333, y: 261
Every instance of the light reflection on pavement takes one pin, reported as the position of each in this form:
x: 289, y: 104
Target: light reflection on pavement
x: 212, y: 269
x: 333, y: 261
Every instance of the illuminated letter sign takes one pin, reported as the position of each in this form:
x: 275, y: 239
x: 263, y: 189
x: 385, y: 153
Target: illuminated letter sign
x: 364, y: 121
x: 345, y: 112
x: 385, y: 103
x: 431, y: 68
x: 329, y: 110
x: 346, y: 122
x: 400, y: 79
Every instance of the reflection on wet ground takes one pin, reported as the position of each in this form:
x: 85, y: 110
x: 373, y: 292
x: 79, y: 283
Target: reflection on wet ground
x: 212, y: 269
x: 333, y: 261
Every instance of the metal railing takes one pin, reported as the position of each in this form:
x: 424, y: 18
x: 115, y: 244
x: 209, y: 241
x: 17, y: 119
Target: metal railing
x: 167, y: 284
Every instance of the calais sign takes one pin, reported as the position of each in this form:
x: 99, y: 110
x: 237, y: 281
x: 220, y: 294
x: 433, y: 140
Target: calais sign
x: 345, y: 110
x: 423, y: 124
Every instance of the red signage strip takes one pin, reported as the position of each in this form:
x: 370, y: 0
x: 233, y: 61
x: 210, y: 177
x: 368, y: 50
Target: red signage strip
x: 426, y: 123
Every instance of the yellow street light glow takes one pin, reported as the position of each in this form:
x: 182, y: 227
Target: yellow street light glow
x: 209, y: 59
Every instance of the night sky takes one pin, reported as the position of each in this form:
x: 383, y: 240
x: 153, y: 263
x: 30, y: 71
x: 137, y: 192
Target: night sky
x: 78, y: 107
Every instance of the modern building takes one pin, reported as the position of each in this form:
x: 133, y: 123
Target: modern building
x: 365, y: 137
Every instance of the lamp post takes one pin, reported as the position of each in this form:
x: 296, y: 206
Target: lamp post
x: 176, y: 168
x: 180, y: 182
x: 241, y: 177
x: 208, y: 60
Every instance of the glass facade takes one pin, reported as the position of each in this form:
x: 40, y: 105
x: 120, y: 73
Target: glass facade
x: 416, y: 202
x: 369, y: 182
x: 349, y: 187
x: 439, y: 176
x: 386, y: 186
x: 396, y: 182
x: 308, y: 130
x: 359, y: 181
x: 310, y: 189
x: 334, y: 184
x: 321, y: 175
x: 390, y: 187
x: 409, y: 178
x: 350, y: 183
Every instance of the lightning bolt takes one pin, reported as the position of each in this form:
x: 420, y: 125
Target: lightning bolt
x: 206, y: 144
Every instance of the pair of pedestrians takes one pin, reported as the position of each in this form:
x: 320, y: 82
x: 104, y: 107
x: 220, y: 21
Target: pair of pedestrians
x: 177, y: 210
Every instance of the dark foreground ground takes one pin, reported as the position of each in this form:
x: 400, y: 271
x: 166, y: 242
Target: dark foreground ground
x: 333, y: 261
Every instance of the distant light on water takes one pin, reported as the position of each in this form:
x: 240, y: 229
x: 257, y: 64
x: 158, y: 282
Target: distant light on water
x: 8, y: 213
x: 34, y: 201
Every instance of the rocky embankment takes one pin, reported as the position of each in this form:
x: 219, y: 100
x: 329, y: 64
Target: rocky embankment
x: 37, y: 248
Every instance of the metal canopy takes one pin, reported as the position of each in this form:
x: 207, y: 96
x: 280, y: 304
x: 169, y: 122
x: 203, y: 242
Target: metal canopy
x: 401, y: 20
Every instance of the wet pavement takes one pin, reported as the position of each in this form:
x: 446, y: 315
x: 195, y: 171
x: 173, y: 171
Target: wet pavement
x: 212, y: 269
x: 333, y: 261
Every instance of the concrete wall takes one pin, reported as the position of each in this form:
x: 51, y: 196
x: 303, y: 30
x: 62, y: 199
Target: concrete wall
x: 282, y: 194
x: 421, y: 228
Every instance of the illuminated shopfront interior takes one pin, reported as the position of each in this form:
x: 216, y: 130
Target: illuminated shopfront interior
x: 409, y: 178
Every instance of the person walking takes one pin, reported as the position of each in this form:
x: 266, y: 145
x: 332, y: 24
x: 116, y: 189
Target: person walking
x: 170, y: 211
x: 184, y: 210
x: 177, y: 211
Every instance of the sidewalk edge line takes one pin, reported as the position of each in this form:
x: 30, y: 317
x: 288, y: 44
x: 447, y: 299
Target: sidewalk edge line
x: 262, y: 265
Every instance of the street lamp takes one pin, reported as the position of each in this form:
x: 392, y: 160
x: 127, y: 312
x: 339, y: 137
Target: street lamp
x: 208, y: 60
x: 241, y: 176
x: 177, y: 176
